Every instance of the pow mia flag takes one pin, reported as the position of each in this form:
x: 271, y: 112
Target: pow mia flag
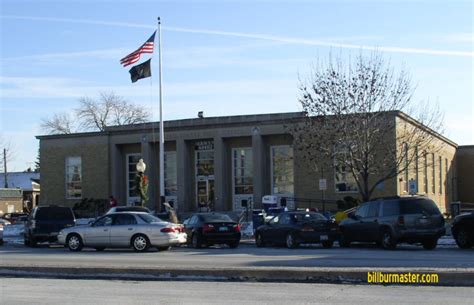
x: 140, y: 71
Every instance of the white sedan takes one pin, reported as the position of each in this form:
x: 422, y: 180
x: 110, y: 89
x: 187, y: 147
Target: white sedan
x: 122, y: 230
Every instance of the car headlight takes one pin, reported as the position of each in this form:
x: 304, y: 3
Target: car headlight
x: 60, y: 233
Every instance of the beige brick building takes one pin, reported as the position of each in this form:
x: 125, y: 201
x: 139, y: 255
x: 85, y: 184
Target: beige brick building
x: 222, y: 162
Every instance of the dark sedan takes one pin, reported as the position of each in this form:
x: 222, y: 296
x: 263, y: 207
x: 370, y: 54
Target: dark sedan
x: 206, y: 229
x: 463, y: 230
x: 295, y: 228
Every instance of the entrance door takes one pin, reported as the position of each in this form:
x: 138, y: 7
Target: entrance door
x: 205, y: 194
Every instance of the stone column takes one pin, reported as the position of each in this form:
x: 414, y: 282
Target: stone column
x: 220, y: 194
x: 183, y: 172
x: 258, y: 150
x: 117, y: 175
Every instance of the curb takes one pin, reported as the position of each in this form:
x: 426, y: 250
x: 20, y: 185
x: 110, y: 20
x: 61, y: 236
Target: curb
x: 447, y: 277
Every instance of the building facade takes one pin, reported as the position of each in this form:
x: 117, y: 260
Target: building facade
x: 220, y: 163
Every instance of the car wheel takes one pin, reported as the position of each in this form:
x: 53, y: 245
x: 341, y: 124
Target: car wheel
x: 259, y: 240
x: 74, y: 242
x: 430, y: 244
x: 140, y: 243
x: 99, y: 249
x: 233, y: 245
x: 164, y: 248
x: 388, y: 241
x: 344, y: 242
x: 290, y: 241
x: 462, y: 239
x: 327, y: 244
x: 196, y: 241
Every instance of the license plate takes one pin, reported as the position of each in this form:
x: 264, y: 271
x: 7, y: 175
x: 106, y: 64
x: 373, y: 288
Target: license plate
x: 423, y: 221
x: 223, y: 229
x: 323, y: 237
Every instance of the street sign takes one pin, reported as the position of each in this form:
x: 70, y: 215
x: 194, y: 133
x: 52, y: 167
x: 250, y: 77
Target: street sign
x: 322, y: 184
x: 412, y: 187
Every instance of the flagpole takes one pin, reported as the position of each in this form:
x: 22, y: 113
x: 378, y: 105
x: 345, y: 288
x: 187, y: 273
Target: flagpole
x: 162, y: 131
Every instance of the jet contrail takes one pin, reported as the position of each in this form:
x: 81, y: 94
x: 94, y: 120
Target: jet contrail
x: 290, y: 40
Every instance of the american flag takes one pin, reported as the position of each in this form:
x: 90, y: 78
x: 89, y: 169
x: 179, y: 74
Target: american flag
x: 133, y: 57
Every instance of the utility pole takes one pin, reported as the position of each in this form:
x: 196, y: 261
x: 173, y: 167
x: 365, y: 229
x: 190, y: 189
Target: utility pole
x: 5, y: 166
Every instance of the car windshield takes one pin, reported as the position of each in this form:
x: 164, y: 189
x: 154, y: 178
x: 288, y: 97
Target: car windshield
x: 304, y: 217
x: 216, y: 217
x: 420, y: 206
x: 149, y: 218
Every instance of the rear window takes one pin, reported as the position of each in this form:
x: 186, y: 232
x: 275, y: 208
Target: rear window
x: 420, y: 206
x: 133, y: 209
x: 216, y: 217
x: 300, y: 217
x: 54, y: 213
x: 148, y: 218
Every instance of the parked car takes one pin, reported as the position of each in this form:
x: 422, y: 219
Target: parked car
x: 1, y: 234
x: 4, y: 222
x: 128, y: 209
x: 45, y: 222
x: 295, y: 228
x: 462, y: 229
x: 389, y: 221
x: 206, y: 229
x: 138, y: 230
x: 13, y: 217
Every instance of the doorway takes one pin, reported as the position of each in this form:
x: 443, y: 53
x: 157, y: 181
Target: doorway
x: 205, y: 193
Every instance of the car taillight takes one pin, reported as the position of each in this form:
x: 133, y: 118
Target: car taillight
x: 237, y: 227
x: 401, y: 220
x: 167, y: 230
x: 208, y: 228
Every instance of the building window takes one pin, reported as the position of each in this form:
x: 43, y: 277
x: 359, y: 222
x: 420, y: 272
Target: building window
x: 243, y: 171
x: 73, y: 178
x: 446, y: 174
x: 416, y: 169
x: 205, y: 163
x: 171, y: 182
x: 440, y: 175
x: 405, y: 156
x: 132, y: 194
x: 433, y: 174
x: 282, y: 169
x: 343, y: 177
x: 425, y: 172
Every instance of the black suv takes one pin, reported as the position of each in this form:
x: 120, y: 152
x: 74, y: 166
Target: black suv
x: 389, y: 221
x: 463, y: 230
x: 45, y: 222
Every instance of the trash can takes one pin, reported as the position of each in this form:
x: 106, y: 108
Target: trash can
x: 455, y: 208
x: 257, y: 218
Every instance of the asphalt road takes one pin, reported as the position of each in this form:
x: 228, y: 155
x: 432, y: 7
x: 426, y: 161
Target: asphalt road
x: 245, y: 256
x: 27, y: 291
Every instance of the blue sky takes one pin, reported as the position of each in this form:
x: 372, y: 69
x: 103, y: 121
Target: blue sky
x: 221, y: 57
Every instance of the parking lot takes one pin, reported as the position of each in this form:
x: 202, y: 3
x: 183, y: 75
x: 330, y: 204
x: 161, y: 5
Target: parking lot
x: 446, y: 255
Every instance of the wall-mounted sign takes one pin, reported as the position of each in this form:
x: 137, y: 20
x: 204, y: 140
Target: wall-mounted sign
x: 204, y: 145
x: 323, y: 184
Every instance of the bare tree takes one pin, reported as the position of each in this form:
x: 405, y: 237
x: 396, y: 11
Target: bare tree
x: 96, y: 115
x: 7, y: 153
x: 351, y: 112
x: 59, y: 123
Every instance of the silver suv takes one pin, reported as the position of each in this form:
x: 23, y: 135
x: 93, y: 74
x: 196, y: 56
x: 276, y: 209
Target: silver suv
x: 389, y: 221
